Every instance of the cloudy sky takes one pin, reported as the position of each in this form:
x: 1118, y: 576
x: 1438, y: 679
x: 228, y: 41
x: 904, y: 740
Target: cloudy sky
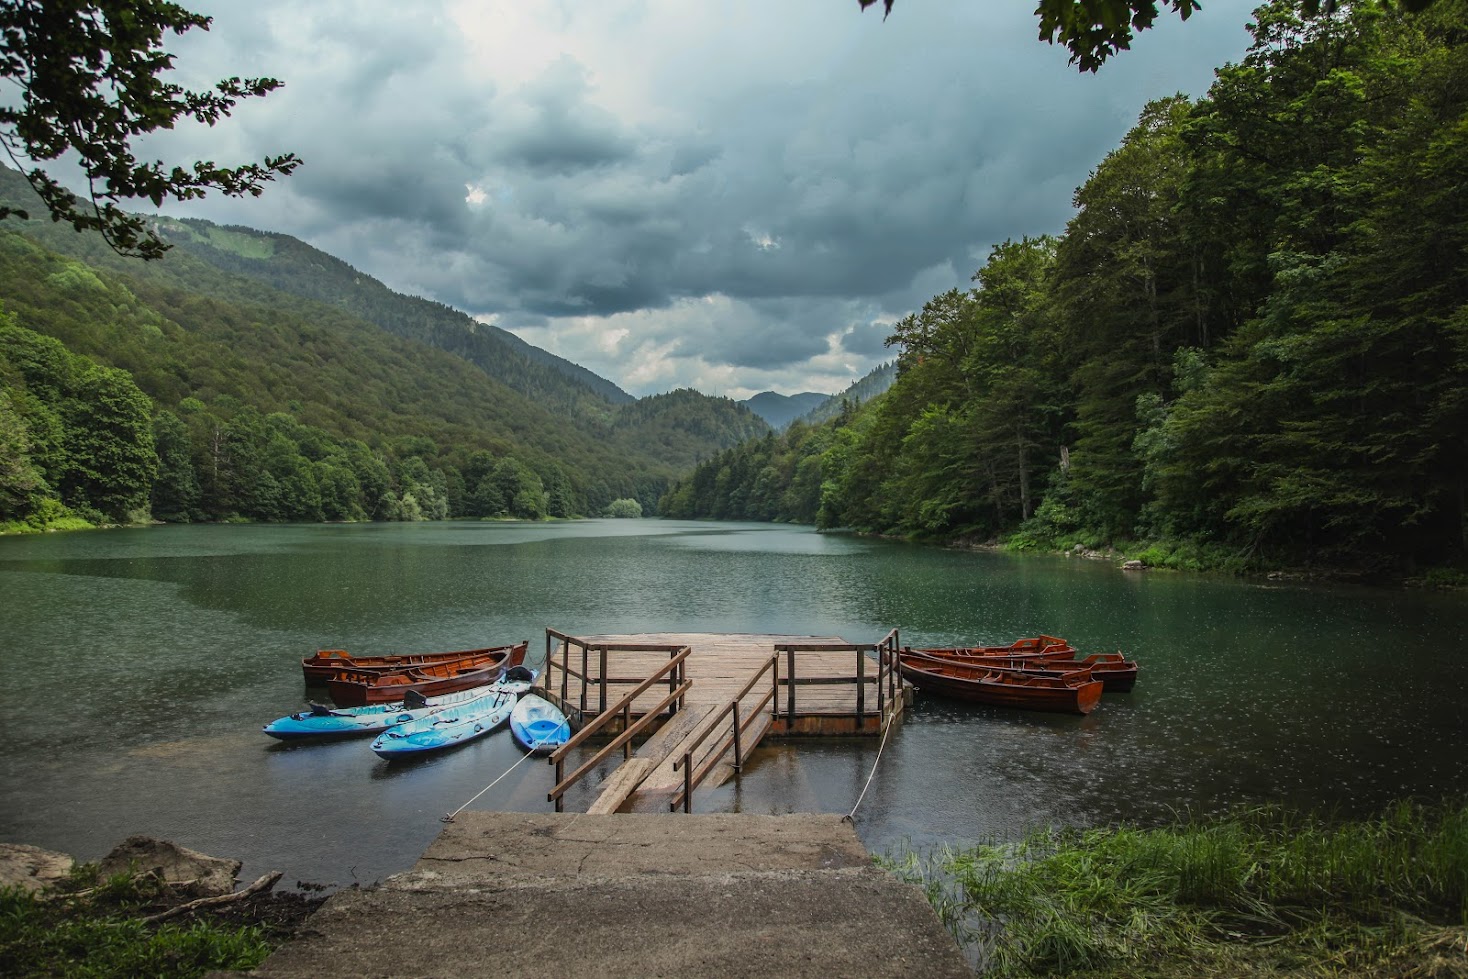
x: 734, y: 196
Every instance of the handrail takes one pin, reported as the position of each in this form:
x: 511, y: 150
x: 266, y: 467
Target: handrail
x: 605, y: 717
x: 690, y: 781
x: 679, y: 686
x: 562, y: 785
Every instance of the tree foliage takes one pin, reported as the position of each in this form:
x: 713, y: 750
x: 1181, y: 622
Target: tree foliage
x: 90, y: 78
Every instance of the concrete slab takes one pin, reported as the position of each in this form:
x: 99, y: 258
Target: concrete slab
x: 514, y: 894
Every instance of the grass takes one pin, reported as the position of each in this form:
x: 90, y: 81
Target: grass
x: 1264, y: 892
x: 83, y: 928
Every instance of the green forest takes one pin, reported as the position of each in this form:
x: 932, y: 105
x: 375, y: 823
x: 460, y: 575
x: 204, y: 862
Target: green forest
x: 248, y: 376
x: 1247, y: 349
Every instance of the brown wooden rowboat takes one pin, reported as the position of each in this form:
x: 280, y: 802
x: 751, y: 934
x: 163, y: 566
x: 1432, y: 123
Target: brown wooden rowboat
x: 1072, y: 693
x: 1035, y: 646
x: 1115, y: 670
x: 359, y: 688
x: 327, y: 663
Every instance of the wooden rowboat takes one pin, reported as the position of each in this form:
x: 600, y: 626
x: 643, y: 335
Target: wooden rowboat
x: 1071, y: 693
x: 356, y: 688
x: 1115, y: 670
x: 327, y: 663
x: 1037, y: 646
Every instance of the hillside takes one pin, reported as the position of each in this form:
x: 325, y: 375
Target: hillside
x: 207, y: 336
x: 860, y: 392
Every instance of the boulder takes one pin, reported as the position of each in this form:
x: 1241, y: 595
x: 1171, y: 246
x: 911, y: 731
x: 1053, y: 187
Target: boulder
x: 194, y: 874
x: 1134, y: 566
x: 31, y: 867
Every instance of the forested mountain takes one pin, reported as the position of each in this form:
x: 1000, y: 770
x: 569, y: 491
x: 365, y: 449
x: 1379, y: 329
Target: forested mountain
x: 1250, y: 345
x: 686, y: 426
x: 259, y: 403
x: 780, y: 410
x: 290, y: 266
x: 876, y: 382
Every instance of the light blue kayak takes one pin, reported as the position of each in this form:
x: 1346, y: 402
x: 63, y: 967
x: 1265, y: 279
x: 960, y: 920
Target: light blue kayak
x: 538, y: 726
x: 448, y: 728
x: 342, y: 722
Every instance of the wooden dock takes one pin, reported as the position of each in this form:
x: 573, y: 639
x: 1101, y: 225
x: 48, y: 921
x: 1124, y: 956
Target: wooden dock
x: 704, y: 701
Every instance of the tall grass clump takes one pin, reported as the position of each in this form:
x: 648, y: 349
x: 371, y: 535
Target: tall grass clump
x: 98, y: 932
x: 1262, y: 889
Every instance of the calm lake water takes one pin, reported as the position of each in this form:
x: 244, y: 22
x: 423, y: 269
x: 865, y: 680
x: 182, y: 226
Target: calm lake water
x: 140, y: 665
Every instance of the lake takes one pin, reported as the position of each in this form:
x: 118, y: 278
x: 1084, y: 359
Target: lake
x: 141, y: 664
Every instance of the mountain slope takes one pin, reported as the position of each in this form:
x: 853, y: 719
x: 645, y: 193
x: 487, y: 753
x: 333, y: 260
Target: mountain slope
x: 876, y: 382
x: 781, y: 409
x: 279, y: 264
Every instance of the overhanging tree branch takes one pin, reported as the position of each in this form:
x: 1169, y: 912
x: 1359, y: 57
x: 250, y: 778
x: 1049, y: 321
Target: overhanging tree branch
x: 89, y: 81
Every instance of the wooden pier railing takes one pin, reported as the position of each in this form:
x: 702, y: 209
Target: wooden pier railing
x: 678, y: 687
x: 742, y: 721
x: 602, y: 680
x: 887, y: 678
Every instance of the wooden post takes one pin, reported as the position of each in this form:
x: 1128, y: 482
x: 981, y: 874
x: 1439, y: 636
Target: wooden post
x: 790, y: 687
x: 882, y: 682
x: 687, y: 781
x: 602, y: 709
x: 626, y: 723
x: 565, y: 669
x: 585, y: 669
x: 560, y: 799
x: 775, y: 684
x: 861, y: 688
x: 738, y: 754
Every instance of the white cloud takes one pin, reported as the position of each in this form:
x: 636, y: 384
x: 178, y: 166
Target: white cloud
x: 676, y: 194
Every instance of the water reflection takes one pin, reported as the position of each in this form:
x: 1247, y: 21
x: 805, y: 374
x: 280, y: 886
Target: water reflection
x: 142, y: 664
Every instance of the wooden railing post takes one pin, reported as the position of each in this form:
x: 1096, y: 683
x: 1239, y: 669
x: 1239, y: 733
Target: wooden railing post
x: 790, y: 688
x: 626, y: 724
x: 560, y: 799
x: 602, y: 704
x: 585, y: 670
x: 882, y: 681
x: 565, y: 668
x: 738, y: 748
x: 687, y: 781
x: 861, y: 687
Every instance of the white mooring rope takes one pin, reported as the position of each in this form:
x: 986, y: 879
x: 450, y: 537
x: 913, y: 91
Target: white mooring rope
x: 886, y: 730
x: 529, y: 754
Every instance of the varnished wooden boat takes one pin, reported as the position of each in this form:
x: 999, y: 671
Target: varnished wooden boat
x: 1113, y: 669
x: 327, y: 663
x: 1036, y: 646
x: 357, y: 688
x: 1075, y: 692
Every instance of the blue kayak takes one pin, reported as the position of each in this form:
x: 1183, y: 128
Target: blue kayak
x: 448, y: 728
x: 341, y: 722
x: 538, y: 726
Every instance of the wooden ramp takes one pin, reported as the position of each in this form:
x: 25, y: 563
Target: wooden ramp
x: 710, y: 699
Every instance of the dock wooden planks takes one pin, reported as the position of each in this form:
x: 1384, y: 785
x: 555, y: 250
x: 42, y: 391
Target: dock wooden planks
x: 721, y: 666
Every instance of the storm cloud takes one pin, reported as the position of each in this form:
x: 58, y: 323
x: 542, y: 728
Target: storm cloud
x: 734, y: 197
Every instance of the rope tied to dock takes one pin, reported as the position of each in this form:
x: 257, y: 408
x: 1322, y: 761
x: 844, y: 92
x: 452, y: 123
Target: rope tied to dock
x: 529, y: 754
x: 850, y: 817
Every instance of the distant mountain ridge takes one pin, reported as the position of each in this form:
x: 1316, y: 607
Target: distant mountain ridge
x: 781, y: 409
